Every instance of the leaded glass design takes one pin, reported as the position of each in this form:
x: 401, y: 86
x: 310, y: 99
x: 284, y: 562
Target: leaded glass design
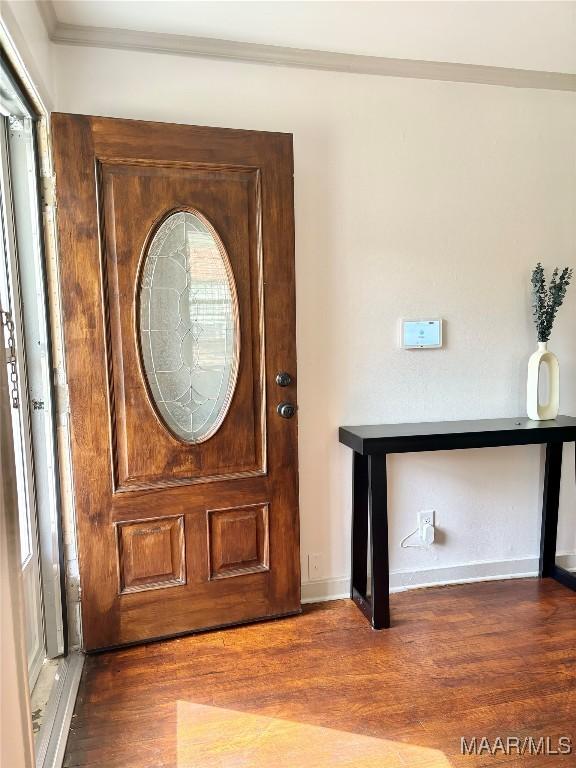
x: 188, y: 326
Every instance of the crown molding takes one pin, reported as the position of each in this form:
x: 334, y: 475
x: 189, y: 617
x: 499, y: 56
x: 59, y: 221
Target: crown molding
x: 276, y: 55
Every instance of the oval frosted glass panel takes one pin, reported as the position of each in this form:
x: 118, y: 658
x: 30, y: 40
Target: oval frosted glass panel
x: 188, y: 326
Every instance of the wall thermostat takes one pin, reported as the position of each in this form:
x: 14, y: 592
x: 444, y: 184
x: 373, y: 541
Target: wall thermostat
x: 421, y: 334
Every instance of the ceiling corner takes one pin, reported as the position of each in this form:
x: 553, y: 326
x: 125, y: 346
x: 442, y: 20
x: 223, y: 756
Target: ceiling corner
x: 48, y: 14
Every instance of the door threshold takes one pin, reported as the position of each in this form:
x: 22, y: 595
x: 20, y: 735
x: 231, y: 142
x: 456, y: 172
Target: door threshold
x: 53, y: 736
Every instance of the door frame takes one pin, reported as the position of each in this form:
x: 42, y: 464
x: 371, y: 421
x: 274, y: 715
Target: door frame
x: 21, y: 751
x: 27, y: 294
x: 10, y: 294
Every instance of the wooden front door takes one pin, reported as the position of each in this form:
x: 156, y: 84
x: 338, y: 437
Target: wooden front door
x: 177, y: 277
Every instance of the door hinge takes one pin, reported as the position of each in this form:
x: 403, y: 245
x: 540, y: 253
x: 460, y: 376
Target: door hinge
x: 48, y: 191
x: 62, y: 399
x: 11, y: 361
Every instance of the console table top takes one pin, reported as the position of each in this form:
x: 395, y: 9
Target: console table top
x: 447, y: 435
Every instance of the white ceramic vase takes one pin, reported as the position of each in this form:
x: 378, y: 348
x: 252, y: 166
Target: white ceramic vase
x: 536, y: 410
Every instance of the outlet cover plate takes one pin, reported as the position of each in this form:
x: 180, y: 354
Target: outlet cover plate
x: 425, y: 517
x: 315, y: 567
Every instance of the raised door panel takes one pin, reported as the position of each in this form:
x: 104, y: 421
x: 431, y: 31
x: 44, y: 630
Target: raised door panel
x: 238, y: 541
x: 151, y: 554
x: 146, y: 195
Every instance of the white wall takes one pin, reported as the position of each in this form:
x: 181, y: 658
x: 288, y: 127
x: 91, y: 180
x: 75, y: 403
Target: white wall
x: 413, y: 198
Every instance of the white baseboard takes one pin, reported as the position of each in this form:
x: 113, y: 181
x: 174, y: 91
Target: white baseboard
x: 486, y: 570
x: 325, y: 589
x: 567, y: 560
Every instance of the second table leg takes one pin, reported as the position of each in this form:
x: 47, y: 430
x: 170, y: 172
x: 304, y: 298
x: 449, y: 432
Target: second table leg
x: 378, y: 517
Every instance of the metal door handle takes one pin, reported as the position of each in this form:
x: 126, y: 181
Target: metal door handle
x: 283, y: 379
x: 286, y: 410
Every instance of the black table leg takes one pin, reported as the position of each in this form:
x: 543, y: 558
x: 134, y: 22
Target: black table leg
x: 370, y: 509
x: 378, y: 515
x: 550, y: 502
x: 359, y: 525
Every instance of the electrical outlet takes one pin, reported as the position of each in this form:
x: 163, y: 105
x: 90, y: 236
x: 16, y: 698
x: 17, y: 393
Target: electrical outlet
x: 425, y: 517
x: 315, y: 567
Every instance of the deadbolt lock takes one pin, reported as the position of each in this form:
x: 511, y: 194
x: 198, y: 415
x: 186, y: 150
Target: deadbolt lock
x: 283, y: 379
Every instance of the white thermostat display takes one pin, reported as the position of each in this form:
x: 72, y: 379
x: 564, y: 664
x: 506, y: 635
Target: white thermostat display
x: 421, y: 334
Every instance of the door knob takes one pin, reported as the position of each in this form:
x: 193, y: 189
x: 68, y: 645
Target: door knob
x: 283, y: 379
x: 286, y: 410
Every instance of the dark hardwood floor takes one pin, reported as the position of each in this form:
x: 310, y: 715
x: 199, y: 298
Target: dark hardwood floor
x: 495, y: 659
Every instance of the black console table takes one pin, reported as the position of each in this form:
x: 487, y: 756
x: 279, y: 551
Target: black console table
x: 371, y: 444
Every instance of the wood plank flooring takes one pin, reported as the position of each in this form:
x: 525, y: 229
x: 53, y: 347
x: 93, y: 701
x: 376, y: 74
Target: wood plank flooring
x: 495, y: 659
